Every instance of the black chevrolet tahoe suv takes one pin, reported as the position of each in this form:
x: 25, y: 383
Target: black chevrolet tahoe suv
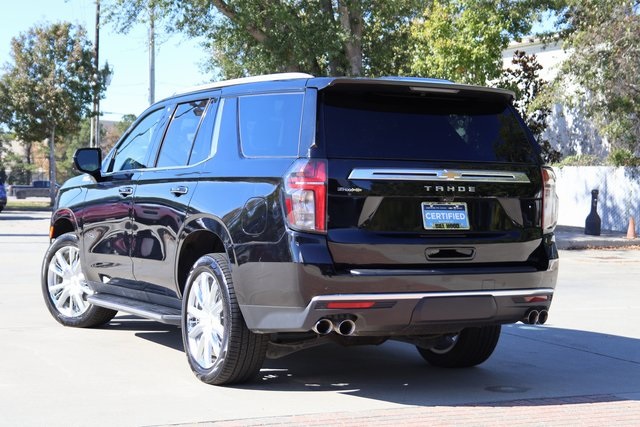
x: 270, y: 214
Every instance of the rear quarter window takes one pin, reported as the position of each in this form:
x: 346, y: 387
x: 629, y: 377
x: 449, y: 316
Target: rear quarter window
x: 270, y: 124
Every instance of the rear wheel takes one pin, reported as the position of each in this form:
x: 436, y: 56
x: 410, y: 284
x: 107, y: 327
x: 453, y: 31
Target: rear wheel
x: 470, y: 347
x: 65, y: 289
x: 219, y: 346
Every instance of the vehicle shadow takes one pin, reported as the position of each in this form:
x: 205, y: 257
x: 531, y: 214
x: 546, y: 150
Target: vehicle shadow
x: 531, y: 363
x: 159, y: 333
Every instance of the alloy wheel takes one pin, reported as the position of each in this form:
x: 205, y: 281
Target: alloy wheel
x: 205, y: 320
x: 66, y: 284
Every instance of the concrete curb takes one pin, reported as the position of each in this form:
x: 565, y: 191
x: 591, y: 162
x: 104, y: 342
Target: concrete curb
x: 574, y: 238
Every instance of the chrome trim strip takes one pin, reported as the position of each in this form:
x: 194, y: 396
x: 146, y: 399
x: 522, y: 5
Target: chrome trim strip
x: 431, y: 272
x: 421, y: 295
x: 458, y: 175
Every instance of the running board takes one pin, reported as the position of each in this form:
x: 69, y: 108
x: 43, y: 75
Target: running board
x: 159, y: 313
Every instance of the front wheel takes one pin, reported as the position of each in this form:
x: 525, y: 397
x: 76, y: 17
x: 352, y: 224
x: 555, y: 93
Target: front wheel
x: 65, y: 289
x: 470, y: 347
x: 219, y: 346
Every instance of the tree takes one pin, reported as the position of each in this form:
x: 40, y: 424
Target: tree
x: 604, y: 66
x: 463, y: 40
x: 49, y: 85
x: 323, y: 37
x: 523, y: 78
x: 113, y: 133
x: 67, y: 148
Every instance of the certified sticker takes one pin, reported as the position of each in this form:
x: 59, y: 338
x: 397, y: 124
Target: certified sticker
x: 445, y: 216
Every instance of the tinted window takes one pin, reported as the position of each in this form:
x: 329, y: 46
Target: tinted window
x: 132, y: 152
x: 270, y: 125
x: 202, y: 145
x: 367, y: 125
x: 177, y: 143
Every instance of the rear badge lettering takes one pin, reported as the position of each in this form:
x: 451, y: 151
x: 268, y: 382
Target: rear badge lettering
x: 450, y: 188
x: 350, y: 189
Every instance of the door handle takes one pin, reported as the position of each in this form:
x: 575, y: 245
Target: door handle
x: 180, y: 190
x: 125, y: 191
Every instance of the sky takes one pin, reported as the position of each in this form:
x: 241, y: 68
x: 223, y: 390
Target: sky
x: 178, y: 59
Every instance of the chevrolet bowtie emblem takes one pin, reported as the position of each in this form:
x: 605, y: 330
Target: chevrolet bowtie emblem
x: 450, y: 175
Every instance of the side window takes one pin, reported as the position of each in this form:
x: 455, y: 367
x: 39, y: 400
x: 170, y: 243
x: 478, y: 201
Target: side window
x: 270, y: 124
x: 177, y: 143
x: 132, y: 152
x: 202, y: 146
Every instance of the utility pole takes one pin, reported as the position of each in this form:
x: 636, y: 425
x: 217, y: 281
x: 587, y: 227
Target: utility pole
x: 152, y: 54
x: 95, y: 119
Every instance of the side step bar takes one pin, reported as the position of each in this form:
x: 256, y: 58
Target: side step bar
x: 159, y: 313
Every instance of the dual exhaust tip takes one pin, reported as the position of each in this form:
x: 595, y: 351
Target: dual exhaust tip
x: 536, y: 317
x: 325, y: 326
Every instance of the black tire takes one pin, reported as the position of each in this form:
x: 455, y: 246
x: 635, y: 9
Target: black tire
x: 64, y: 289
x: 220, y: 328
x: 470, y: 347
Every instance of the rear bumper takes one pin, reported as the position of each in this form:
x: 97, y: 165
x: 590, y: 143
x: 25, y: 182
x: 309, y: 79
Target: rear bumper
x: 293, y: 296
x: 404, y: 313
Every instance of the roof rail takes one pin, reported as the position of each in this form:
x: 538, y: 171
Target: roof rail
x: 243, y: 80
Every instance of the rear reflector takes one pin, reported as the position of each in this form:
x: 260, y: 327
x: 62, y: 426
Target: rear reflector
x: 349, y: 305
x: 543, y: 298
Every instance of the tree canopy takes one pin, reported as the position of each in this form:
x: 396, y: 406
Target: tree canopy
x: 604, y: 66
x: 463, y: 40
x: 457, y: 39
x: 49, y: 83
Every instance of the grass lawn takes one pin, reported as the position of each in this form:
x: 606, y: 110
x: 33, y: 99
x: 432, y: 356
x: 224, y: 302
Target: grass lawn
x: 38, y: 204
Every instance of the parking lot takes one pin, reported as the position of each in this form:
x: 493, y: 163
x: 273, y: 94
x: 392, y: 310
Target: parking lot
x: 582, y: 368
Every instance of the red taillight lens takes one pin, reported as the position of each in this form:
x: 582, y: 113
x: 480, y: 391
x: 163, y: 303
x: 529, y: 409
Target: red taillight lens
x: 549, y: 200
x: 306, y: 195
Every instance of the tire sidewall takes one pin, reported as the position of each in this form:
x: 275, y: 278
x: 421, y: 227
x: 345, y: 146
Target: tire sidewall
x: 208, y: 264
x: 472, y: 347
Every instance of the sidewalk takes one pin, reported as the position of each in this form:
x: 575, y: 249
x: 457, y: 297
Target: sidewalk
x: 574, y: 238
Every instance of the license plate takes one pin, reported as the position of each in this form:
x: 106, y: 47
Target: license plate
x: 445, y: 216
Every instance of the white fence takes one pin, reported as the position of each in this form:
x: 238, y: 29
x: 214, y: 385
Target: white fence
x: 619, y: 197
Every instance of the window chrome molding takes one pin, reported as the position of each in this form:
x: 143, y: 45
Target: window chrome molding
x: 450, y: 175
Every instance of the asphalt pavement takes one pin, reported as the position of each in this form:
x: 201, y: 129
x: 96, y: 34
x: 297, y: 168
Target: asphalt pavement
x: 581, y: 368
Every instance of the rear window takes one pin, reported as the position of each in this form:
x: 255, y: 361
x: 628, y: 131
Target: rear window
x: 388, y: 126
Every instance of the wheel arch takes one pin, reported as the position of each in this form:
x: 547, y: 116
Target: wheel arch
x: 62, y: 221
x: 201, y: 236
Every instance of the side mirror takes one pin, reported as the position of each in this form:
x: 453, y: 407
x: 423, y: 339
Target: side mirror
x: 88, y: 160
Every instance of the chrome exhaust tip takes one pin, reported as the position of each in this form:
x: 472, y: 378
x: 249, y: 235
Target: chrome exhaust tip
x: 531, y: 318
x: 323, y: 327
x: 542, y: 317
x: 346, y: 327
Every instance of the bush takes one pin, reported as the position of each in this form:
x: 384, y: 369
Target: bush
x: 623, y: 157
x: 581, y: 160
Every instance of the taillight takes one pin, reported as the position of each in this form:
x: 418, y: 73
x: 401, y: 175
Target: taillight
x: 549, y: 200
x: 306, y: 195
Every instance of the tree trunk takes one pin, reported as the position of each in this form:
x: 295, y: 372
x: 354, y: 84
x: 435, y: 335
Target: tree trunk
x: 334, y: 61
x: 52, y: 167
x: 351, y: 22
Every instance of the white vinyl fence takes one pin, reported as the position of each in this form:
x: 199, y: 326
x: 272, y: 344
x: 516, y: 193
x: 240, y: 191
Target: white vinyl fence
x: 619, y: 197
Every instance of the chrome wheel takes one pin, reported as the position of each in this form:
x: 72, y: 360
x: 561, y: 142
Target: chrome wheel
x: 205, y: 320
x: 446, y: 344
x: 66, y: 284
